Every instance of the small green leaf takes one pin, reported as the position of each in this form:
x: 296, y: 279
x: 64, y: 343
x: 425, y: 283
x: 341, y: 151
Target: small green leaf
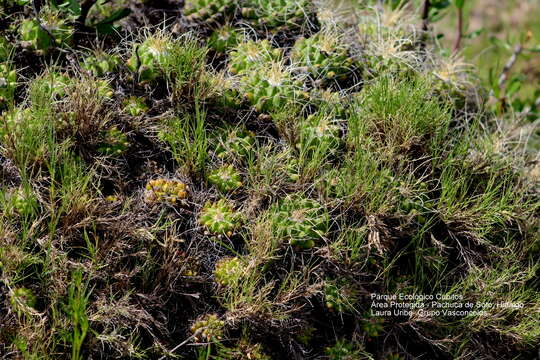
x: 460, y: 4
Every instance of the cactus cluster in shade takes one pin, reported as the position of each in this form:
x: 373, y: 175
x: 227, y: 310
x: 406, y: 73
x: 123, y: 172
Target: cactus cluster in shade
x: 34, y: 36
x: 228, y: 271
x: 323, y: 55
x: 225, y: 178
x: 208, y: 10
x: 299, y: 220
x: 372, y: 325
x: 224, y: 38
x: 114, y: 143
x: 166, y: 191
x: 8, y: 83
x: 219, y: 218
x: 319, y: 132
x: 339, y: 296
x: 208, y: 328
x: 135, y: 105
x: 148, y: 57
x: 343, y: 350
x: 21, y: 299
x: 100, y: 63
x: 233, y: 143
x: 249, y: 56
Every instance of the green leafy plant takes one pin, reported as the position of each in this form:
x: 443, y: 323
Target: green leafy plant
x: 372, y: 325
x: 299, y: 220
x: 166, y: 191
x: 225, y: 178
x: 219, y: 218
x: 76, y: 308
x: 6, y: 48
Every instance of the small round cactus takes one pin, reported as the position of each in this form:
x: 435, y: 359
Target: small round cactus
x: 22, y: 299
x: 115, y: 142
x: 8, y: 83
x: 272, y: 89
x: 219, y: 218
x: 250, y: 55
x: 339, y: 296
x: 135, y: 106
x: 224, y: 38
x: 319, y: 131
x: 208, y: 10
x: 208, y: 328
x: 234, y: 143
x: 299, y: 220
x: 228, y: 271
x: 100, y: 63
x: 225, y: 178
x: 165, y: 191
x: 372, y: 325
x: 323, y: 55
x: 147, y: 57
x: 343, y: 350
x: 35, y: 37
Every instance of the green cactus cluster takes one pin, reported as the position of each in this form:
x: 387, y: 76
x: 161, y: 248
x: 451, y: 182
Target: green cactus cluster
x: 251, y: 55
x: 8, y: 83
x: 208, y: 328
x: 272, y: 89
x: 276, y: 15
x: 148, y: 57
x: 300, y: 220
x: 228, y: 271
x: 115, y: 142
x: 225, y: 178
x: 208, y: 10
x: 224, y: 38
x: 339, y: 296
x: 319, y: 132
x: 219, y: 218
x: 135, y: 106
x: 54, y: 31
x: 343, y: 350
x: 100, y: 64
x: 166, y: 191
x: 21, y: 299
x: 372, y: 325
x: 233, y: 143
x: 323, y: 55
